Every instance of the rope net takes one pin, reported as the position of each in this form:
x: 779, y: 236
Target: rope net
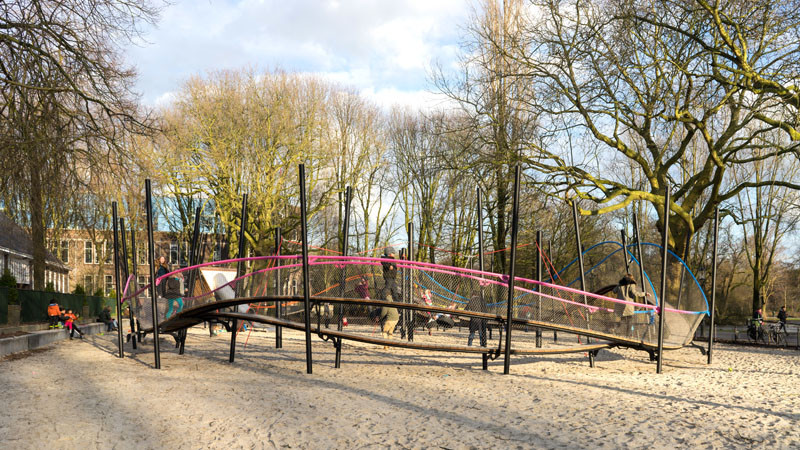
x: 430, y: 304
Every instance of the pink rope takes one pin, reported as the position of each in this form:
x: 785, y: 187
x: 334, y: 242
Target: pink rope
x: 438, y: 268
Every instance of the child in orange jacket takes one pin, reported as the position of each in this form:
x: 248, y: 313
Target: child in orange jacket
x: 71, y: 325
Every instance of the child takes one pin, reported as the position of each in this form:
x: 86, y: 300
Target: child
x: 53, y: 313
x: 71, y: 325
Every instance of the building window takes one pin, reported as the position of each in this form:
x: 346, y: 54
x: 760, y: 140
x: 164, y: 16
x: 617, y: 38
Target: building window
x: 88, y: 252
x: 88, y: 284
x: 173, y: 253
x: 109, y: 284
x: 108, y: 249
x: 184, y: 254
x: 64, y: 252
x: 142, y: 255
x: 143, y: 281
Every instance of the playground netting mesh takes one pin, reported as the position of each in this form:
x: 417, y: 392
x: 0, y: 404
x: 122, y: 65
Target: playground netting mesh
x: 443, y: 298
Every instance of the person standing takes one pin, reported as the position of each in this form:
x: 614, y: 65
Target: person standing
x: 390, y: 275
x: 477, y: 304
x: 162, y: 270
x: 782, y: 319
x: 53, y: 313
x: 626, y: 290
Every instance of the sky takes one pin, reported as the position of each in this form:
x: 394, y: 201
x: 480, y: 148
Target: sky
x: 384, y: 49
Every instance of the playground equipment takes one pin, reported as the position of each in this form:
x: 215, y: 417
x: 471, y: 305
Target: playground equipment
x: 333, y: 297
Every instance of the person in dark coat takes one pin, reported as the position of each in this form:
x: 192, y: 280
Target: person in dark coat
x: 782, y: 319
x: 477, y: 304
x: 390, y: 275
x: 161, y: 271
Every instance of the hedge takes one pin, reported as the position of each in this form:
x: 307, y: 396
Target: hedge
x: 34, y: 304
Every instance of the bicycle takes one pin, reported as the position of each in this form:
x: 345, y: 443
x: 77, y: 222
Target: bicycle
x: 777, y: 334
x: 756, y: 332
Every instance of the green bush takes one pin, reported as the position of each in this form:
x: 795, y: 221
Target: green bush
x: 50, y: 287
x: 99, y: 293
x: 79, y: 290
x: 8, y: 280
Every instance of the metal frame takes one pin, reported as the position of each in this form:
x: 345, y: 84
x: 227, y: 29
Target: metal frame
x: 239, y: 272
x: 582, y: 269
x: 512, y: 268
x: 306, y: 281
x: 132, y: 335
x: 663, y: 299
x: 712, y: 331
x: 116, y: 279
x: 278, y: 304
x: 337, y: 342
x: 148, y: 201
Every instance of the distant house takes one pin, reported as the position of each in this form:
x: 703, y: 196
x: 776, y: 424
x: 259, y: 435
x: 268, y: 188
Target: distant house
x: 90, y: 261
x: 16, y: 255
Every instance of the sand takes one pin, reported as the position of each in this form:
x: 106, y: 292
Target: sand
x: 77, y: 394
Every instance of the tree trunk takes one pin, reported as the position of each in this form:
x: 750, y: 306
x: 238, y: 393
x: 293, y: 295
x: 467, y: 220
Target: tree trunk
x: 37, y: 227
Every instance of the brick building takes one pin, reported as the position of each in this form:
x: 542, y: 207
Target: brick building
x: 90, y: 256
x: 16, y: 255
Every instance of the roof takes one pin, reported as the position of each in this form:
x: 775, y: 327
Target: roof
x: 15, y: 239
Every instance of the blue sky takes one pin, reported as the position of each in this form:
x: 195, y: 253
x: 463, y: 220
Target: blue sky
x: 384, y: 49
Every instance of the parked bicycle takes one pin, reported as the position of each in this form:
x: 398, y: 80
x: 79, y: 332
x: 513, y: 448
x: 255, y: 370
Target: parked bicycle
x: 756, y: 331
x: 777, y: 335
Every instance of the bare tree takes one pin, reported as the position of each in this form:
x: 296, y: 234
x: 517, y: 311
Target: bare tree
x: 66, y: 99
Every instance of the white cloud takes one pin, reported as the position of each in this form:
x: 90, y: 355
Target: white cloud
x: 375, y: 46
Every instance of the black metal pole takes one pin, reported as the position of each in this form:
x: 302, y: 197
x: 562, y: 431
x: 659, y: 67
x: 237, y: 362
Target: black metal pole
x: 639, y: 252
x: 410, y: 283
x: 402, y: 322
x: 194, y: 250
x: 552, y: 272
x: 625, y: 250
x: 482, y: 331
x: 582, y: 270
x: 137, y: 332
x: 117, y: 272
x: 194, y: 259
x: 132, y: 335
x: 152, y: 254
x: 663, y: 300
x: 685, y: 257
x: 711, y: 331
x: 512, y: 267
x: 539, y: 244
x: 348, y: 197
x: 278, y: 303
x: 306, y: 283
x: 239, y: 272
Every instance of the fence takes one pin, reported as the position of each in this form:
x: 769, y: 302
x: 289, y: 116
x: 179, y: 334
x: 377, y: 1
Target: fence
x: 34, y: 304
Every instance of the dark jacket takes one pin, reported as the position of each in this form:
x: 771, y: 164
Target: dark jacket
x: 389, y: 270
x: 782, y: 315
x: 159, y: 273
x: 105, y: 316
x: 173, y: 288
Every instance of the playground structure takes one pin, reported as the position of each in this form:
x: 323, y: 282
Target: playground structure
x: 335, y: 297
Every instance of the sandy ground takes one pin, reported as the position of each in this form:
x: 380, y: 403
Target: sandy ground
x: 77, y: 394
